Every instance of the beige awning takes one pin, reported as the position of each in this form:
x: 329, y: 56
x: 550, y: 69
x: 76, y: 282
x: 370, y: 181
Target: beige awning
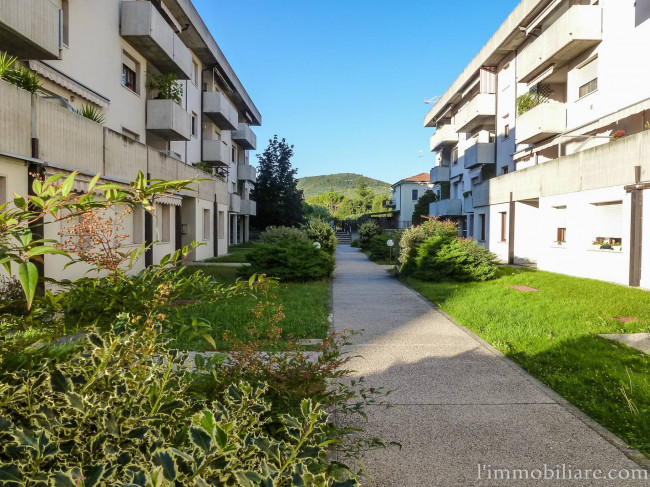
x: 66, y: 82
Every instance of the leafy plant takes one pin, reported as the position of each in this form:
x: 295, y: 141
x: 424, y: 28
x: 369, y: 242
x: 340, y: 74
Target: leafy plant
x: 647, y: 125
x: 166, y: 86
x: 278, y: 235
x: 421, y: 208
x: 356, y: 243
x: 92, y: 113
x: 528, y: 101
x: 6, y: 63
x: 320, y: 231
x: 411, y: 238
x: 294, y: 261
x: 368, y: 230
x: 22, y: 78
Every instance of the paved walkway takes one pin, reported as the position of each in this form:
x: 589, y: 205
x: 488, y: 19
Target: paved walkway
x: 459, y: 403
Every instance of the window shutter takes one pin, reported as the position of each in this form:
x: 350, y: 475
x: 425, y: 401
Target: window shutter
x: 608, y: 220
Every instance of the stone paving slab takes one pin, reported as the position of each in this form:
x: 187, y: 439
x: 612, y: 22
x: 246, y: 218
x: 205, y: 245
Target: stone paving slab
x: 459, y: 403
x: 640, y: 341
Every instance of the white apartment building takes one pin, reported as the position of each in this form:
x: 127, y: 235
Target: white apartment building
x: 543, y: 141
x: 405, y: 195
x: 105, y: 54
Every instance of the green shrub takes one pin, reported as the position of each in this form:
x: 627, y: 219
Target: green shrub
x: 528, y: 101
x: 296, y: 261
x: 356, y: 243
x: 447, y: 258
x: 411, y: 238
x: 320, y: 231
x: 116, y: 414
x: 366, y: 231
x: 277, y: 235
x: 377, y: 248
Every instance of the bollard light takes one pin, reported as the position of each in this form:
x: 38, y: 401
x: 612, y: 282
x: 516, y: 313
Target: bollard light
x: 317, y: 245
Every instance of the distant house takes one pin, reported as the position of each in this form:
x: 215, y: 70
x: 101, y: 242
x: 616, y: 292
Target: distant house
x: 406, y: 193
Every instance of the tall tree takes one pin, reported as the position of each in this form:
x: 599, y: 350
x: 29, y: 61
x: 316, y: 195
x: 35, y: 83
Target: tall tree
x: 279, y: 201
x: 421, y: 208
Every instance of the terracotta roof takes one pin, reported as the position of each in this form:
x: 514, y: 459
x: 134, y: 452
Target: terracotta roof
x: 423, y: 177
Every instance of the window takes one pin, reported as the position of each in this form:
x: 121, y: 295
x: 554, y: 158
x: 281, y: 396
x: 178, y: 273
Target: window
x: 195, y: 73
x: 165, y: 223
x: 561, y: 235
x: 470, y: 226
x: 129, y: 134
x: 492, y: 137
x: 222, y: 224
x: 194, y: 124
x: 3, y: 190
x: 481, y: 222
x: 130, y: 70
x: 137, y: 230
x: 588, y: 78
x: 206, y: 224
x: 454, y: 155
x: 233, y: 154
x: 503, y: 226
x: 414, y: 194
x: 65, y: 23
x: 505, y: 169
x: 506, y: 132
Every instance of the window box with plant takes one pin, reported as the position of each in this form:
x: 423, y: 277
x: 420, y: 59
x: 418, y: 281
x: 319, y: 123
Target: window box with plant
x: 605, y: 243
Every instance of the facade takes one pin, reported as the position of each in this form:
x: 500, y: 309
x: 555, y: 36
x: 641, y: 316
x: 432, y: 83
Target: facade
x: 405, y: 195
x: 543, y: 141
x: 108, y: 54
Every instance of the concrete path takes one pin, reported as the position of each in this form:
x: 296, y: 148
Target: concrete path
x: 459, y: 403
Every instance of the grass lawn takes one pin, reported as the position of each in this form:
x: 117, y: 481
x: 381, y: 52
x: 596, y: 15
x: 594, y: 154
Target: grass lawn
x: 236, y: 254
x: 553, y: 335
x: 305, y: 305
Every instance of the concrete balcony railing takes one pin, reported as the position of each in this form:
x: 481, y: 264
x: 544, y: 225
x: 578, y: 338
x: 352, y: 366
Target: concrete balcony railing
x: 540, y: 123
x: 216, y: 152
x: 246, y: 172
x: 168, y: 120
x: 574, y: 32
x: 479, y: 153
x: 480, y: 110
x: 480, y: 194
x: 439, y: 174
x: 235, y: 203
x: 29, y: 29
x: 445, y: 136
x: 248, y: 207
x: 245, y: 137
x: 468, y: 203
x: 148, y: 32
x: 218, y: 109
x: 444, y: 208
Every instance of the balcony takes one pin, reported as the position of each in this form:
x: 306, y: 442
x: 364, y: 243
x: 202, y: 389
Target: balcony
x: 216, y: 152
x: 479, y: 111
x: 248, y: 207
x: 468, y: 203
x: 150, y: 34
x: 439, y: 174
x: 481, y: 194
x: 245, y: 137
x: 479, y: 153
x: 246, y: 172
x: 444, y: 208
x: 29, y: 29
x: 235, y: 203
x: 218, y: 109
x: 168, y: 120
x: 445, y: 136
x: 570, y: 35
x: 540, y: 123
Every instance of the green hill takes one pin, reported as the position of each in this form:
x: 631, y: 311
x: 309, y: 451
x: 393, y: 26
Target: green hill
x: 342, y: 183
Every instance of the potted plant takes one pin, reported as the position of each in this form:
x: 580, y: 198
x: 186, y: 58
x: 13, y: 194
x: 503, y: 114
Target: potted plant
x: 166, y: 86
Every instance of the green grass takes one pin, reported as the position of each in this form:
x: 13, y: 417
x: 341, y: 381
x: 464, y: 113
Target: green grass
x: 553, y: 335
x: 305, y: 305
x: 236, y: 254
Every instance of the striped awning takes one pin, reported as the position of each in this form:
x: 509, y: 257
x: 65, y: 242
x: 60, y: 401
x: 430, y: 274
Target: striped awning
x: 66, y: 82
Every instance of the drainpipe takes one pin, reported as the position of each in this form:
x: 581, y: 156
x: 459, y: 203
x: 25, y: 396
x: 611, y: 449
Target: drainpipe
x: 511, y: 231
x: 148, y: 235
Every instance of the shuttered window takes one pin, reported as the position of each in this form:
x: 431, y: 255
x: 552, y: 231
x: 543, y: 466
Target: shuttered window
x: 588, y: 78
x: 608, y: 220
x: 560, y: 223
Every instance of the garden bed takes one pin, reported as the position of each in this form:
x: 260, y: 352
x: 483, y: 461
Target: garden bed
x: 553, y: 334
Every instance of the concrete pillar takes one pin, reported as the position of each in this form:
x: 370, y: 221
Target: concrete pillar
x: 246, y: 228
x: 234, y: 229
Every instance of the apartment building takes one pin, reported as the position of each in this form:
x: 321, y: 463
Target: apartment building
x: 543, y: 142
x: 112, y: 55
x: 405, y: 195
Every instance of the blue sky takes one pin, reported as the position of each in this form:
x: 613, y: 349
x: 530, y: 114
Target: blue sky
x: 345, y: 82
